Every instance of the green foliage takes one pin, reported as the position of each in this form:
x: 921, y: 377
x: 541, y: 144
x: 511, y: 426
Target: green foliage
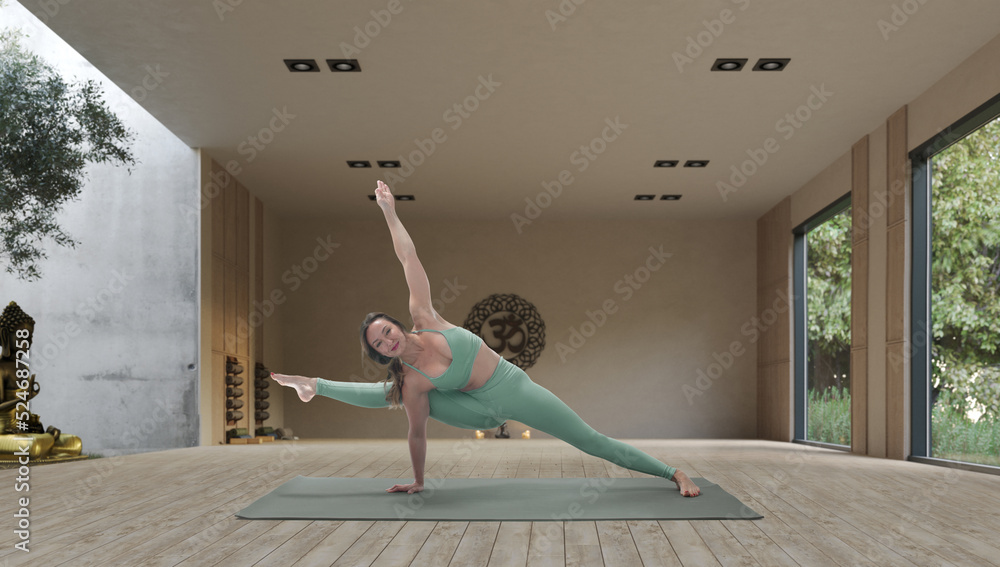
x: 965, y: 270
x: 829, y: 416
x: 954, y: 436
x: 828, y: 284
x: 49, y: 131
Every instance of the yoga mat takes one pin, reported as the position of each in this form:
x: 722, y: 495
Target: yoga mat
x: 496, y: 499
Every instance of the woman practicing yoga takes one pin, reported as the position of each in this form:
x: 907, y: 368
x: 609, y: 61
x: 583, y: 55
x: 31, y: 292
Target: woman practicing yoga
x: 472, y: 386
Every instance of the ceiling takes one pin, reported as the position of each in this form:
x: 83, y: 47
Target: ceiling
x: 560, y: 72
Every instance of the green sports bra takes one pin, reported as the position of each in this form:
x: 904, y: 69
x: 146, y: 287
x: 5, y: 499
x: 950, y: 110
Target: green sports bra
x: 464, y: 345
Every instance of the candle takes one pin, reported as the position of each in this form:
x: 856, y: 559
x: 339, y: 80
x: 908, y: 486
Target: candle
x: 526, y: 434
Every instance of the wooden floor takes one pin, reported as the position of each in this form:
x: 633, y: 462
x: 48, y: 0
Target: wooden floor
x: 820, y: 507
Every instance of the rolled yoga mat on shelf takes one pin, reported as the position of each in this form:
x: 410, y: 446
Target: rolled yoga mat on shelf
x: 495, y: 499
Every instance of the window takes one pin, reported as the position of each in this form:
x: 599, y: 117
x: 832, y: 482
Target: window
x: 822, y: 273
x: 956, y: 298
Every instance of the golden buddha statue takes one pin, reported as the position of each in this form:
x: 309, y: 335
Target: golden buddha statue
x: 20, y: 430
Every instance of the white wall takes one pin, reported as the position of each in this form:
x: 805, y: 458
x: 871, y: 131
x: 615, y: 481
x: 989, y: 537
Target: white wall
x: 116, y: 318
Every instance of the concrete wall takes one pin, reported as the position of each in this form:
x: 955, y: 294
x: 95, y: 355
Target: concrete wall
x: 637, y: 376
x: 116, y: 318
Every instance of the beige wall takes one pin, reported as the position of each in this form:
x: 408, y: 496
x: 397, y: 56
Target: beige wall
x: 969, y: 85
x: 627, y: 380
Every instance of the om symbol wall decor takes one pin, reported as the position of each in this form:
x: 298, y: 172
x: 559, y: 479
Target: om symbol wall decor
x: 510, y: 326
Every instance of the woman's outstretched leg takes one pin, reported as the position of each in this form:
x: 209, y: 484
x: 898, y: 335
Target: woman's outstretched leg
x: 453, y: 408
x: 535, y: 406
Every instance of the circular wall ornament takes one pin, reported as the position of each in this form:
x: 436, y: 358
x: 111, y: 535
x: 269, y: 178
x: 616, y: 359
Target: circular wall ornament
x: 510, y: 326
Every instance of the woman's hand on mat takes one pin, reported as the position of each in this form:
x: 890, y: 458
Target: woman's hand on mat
x: 384, y: 197
x: 305, y: 387
x: 409, y: 488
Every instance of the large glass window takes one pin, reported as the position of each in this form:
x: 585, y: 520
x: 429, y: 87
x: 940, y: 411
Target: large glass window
x: 828, y: 316
x: 965, y: 298
x: 822, y: 272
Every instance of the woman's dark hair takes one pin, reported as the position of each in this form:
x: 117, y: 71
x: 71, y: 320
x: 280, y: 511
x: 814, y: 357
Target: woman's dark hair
x: 395, y: 394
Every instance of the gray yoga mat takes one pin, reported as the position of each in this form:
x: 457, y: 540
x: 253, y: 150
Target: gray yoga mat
x: 495, y: 499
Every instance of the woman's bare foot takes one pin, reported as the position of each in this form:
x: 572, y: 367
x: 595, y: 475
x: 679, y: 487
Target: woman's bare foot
x: 305, y: 387
x: 685, y: 484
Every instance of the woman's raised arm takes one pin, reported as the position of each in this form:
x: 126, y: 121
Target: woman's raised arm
x: 416, y: 277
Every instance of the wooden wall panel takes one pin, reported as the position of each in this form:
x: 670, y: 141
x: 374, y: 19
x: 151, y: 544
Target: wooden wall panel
x: 232, y: 275
x: 258, y: 330
x: 859, y: 400
x: 229, y: 248
x: 218, y: 304
x: 229, y: 340
x: 897, y: 293
x: 218, y: 205
x: 897, y: 168
x: 242, y: 228
x: 860, y: 273
x: 897, y: 401
x: 774, y: 380
x: 242, y: 311
x: 859, y: 295
x: 773, y: 311
x: 860, y: 215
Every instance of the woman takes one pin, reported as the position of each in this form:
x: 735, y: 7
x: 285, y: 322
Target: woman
x: 446, y: 372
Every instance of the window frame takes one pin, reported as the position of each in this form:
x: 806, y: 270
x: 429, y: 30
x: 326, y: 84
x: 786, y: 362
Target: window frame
x: 800, y: 353
x: 921, y: 159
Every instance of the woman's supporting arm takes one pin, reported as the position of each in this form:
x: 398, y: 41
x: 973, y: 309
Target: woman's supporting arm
x: 418, y: 409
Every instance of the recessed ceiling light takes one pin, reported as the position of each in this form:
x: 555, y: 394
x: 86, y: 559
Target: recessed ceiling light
x: 670, y: 198
x: 771, y: 65
x: 398, y: 197
x: 302, y: 65
x: 645, y: 197
x: 696, y: 163
x: 665, y: 163
x: 344, y: 65
x: 388, y: 163
x: 359, y: 163
x: 729, y: 64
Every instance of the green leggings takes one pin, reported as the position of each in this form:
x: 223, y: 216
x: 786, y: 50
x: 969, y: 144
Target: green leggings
x: 509, y: 394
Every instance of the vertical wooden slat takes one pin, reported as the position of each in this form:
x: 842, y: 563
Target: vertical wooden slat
x: 258, y: 330
x: 897, y: 291
x: 218, y: 209
x: 242, y: 228
x: 242, y: 309
x: 229, y: 340
x: 230, y: 223
x: 218, y: 304
x: 774, y: 381
x: 860, y: 225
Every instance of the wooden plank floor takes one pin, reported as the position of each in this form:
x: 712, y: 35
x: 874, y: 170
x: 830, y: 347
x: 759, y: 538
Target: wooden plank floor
x: 820, y: 507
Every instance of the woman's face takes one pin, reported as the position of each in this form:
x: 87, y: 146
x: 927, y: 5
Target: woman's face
x: 386, y: 338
